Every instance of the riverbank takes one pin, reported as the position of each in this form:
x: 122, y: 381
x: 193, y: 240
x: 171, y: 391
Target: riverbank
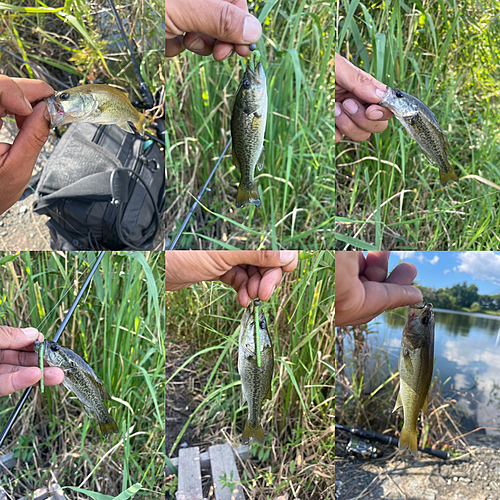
x: 474, y: 475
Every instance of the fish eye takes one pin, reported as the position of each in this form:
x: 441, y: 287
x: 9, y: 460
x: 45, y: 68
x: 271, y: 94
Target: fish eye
x: 425, y: 320
x: 399, y: 93
x: 54, y: 347
x: 64, y: 96
x: 246, y: 84
x: 263, y: 325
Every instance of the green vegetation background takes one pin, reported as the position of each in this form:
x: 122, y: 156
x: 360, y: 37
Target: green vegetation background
x: 447, y: 55
x: 296, y: 183
x: 202, y: 345
x: 76, y: 40
x: 118, y: 328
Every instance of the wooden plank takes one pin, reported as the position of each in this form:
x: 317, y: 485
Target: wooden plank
x: 189, y: 474
x: 223, y: 464
x: 8, y: 461
x: 242, y: 451
x: 53, y: 492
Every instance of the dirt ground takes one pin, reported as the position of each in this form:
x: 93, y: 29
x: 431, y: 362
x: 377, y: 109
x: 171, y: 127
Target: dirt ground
x: 20, y: 228
x: 475, y: 475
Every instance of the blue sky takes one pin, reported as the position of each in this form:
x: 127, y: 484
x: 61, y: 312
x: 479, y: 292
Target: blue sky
x: 444, y: 269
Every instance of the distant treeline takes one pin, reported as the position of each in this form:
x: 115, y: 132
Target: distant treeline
x: 461, y: 296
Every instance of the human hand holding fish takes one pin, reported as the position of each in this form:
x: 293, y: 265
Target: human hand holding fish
x: 21, y: 98
x: 19, y: 364
x: 363, y: 289
x: 357, y: 94
x: 212, y: 26
x: 253, y: 274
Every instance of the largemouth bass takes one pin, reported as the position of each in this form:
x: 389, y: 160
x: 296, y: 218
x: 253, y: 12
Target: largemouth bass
x: 248, y: 124
x: 81, y: 379
x: 94, y: 104
x: 255, y: 381
x: 416, y: 363
x: 421, y: 124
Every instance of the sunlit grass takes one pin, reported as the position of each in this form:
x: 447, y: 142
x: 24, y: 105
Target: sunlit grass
x: 298, y: 421
x: 296, y: 184
x: 387, y: 193
x: 118, y: 329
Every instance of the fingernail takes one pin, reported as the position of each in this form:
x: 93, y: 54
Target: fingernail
x: 338, y: 109
x: 229, y: 55
x: 28, y: 104
x: 46, y: 114
x: 286, y: 256
x: 380, y: 93
x: 198, y: 45
x: 30, y: 332
x: 251, y: 30
x: 350, y: 107
x: 375, y: 115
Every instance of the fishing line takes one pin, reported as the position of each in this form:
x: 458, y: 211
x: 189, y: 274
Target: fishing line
x: 36, y: 67
x: 27, y: 391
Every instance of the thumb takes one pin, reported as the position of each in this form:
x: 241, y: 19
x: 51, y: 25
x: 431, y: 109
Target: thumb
x: 287, y: 259
x: 223, y: 21
x: 357, y: 81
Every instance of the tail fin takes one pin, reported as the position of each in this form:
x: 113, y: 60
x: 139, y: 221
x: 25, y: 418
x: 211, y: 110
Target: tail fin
x: 107, y: 426
x: 448, y: 175
x: 246, y: 194
x: 408, y: 439
x: 256, y: 433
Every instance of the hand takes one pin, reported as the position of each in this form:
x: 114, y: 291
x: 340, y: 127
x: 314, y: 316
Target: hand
x: 17, y: 160
x: 220, y: 27
x: 363, y: 290
x: 253, y: 274
x: 355, y: 91
x: 19, y: 363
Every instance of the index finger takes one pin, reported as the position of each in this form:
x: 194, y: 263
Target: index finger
x: 12, y: 99
x: 358, y: 82
x: 18, y: 338
x: 34, y: 90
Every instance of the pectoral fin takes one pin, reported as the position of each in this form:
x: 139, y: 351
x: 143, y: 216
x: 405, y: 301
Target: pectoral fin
x: 424, y: 408
x: 260, y: 162
x: 399, y: 403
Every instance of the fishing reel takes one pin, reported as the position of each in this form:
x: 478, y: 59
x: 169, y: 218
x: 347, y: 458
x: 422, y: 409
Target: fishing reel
x: 363, y: 450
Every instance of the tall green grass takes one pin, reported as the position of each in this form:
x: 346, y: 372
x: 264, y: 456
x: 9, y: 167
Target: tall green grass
x: 387, y: 193
x: 296, y: 184
x: 118, y: 328
x: 298, y: 421
x: 76, y: 41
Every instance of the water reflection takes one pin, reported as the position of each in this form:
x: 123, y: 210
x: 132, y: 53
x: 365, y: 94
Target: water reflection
x: 467, y: 350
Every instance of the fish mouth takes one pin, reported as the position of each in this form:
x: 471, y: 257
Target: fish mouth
x: 422, y: 305
x: 56, y: 111
x: 385, y: 98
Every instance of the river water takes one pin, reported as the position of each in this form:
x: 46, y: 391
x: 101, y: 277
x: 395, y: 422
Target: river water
x: 466, y: 350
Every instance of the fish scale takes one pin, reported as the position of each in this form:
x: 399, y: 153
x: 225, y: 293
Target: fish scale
x: 416, y: 364
x: 255, y: 380
x: 248, y: 124
x: 82, y: 380
x: 419, y: 121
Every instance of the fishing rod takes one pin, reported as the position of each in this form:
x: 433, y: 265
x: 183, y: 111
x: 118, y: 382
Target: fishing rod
x: 27, y: 391
x: 198, y: 198
x: 147, y: 96
x: 37, y: 68
x: 382, y: 438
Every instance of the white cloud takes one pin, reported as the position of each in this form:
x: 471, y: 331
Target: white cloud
x: 446, y: 271
x: 481, y: 266
x: 404, y: 255
x: 434, y: 260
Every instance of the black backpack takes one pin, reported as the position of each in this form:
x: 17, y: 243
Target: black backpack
x: 102, y: 188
